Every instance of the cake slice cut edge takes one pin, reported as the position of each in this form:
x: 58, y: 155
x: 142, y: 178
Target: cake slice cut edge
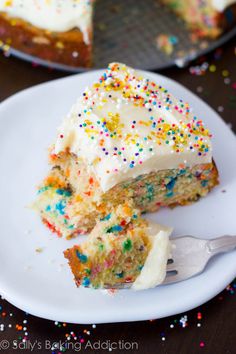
x: 122, y: 248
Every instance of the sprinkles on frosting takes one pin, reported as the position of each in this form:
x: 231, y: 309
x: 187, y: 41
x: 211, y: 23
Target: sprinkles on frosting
x: 188, y: 133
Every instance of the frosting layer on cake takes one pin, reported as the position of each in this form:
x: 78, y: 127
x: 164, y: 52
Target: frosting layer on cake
x: 53, y: 15
x: 125, y: 125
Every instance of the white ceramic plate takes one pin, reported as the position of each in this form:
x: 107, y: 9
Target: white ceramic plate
x: 41, y: 283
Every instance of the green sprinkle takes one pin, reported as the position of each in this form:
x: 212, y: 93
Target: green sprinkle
x: 101, y: 247
x: 43, y: 189
x: 127, y: 245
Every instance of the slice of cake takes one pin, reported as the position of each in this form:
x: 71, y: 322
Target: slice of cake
x: 55, y: 30
x: 122, y: 248
x: 126, y: 139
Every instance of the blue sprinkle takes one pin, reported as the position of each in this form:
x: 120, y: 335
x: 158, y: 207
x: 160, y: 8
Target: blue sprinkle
x: 60, y: 207
x: 204, y: 183
x: 64, y: 192
x: 120, y: 275
x: 86, y: 281
x: 82, y: 257
x: 115, y: 228
x: 48, y: 208
x: 60, y: 191
x: 171, y: 184
x: 182, y: 172
x: 107, y: 217
x: 169, y: 194
x: 229, y: 16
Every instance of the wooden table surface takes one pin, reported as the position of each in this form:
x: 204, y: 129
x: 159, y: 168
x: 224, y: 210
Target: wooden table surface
x: 208, y: 329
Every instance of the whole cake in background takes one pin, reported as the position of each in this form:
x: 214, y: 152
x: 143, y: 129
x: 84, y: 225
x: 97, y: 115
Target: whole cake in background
x: 126, y: 140
x: 61, y: 31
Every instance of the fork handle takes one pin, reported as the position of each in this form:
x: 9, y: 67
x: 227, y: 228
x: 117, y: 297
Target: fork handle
x: 221, y: 244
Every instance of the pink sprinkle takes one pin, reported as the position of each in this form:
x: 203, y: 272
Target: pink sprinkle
x: 202, y: 344
x: 234, y: 85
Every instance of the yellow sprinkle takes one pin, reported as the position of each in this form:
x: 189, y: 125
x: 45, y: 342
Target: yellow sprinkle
x: 59, y: 45
x: 13, y: 22
x: 212, y: 68
x: 225, y: 73
x: 8, y: 3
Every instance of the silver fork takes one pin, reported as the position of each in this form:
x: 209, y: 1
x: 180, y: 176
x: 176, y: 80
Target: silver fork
x: 189, y: 257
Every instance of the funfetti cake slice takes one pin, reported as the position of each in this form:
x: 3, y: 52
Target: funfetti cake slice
x: 122, y: 248
x: 125, y: 139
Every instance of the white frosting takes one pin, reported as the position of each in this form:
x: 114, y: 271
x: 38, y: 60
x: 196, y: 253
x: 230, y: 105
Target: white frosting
x: 221, y: 5
x: 53, y: 15
x: 153, y: 272
x: 125, y: 126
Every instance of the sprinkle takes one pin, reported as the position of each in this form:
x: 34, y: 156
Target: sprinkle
x: 202, y: 344
x: 115, y: 228
x: 220, y: 109
x: 86, y: 281
x: 82, y: 257
x: 107, y: 217
x: 127, y: 245
x: 212, y: 68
